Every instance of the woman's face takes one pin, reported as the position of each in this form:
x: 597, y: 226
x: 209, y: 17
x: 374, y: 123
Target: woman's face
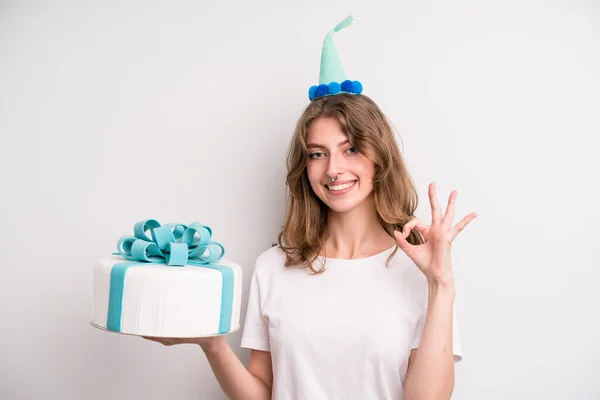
x: 331, y: 154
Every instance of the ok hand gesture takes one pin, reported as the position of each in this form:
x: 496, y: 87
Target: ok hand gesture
x: 433, y: 256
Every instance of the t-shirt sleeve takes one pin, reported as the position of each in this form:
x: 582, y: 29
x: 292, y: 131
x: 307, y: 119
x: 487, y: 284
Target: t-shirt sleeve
x: 256, y: 331
x: 457, y: 351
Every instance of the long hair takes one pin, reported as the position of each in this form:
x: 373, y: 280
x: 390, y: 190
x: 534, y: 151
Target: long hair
x: 369, y: 131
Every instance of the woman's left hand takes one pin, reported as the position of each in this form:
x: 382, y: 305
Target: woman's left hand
x: 433, y: 256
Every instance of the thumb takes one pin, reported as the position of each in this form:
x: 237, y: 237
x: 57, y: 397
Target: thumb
x: 401, y: 240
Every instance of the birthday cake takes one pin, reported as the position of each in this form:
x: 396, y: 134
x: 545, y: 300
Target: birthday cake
x: 173, y: 283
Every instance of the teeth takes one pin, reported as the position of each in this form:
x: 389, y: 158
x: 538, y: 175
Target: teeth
x: 341, y: 187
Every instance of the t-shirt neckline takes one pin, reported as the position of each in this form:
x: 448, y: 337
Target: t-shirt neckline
x: 361, y: 261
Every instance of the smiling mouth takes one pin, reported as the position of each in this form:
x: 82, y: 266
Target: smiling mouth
x: 340, y: 187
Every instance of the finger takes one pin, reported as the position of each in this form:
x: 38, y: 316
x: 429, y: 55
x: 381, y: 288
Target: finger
x: 153, y: 339
x: 436, y: 212
x: 410, y: 225
x: 163, y: 341
x: 401, y: 240
x: 456, y: 229
x: 417, y: 224
x: 449, y: 215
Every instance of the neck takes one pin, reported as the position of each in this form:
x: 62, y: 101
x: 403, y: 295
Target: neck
x: 356, y: 233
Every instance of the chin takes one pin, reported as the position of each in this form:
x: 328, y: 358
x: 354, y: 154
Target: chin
x: 339, y: 209
x: 344, y: 205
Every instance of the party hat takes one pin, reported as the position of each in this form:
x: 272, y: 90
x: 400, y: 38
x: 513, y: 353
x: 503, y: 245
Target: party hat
x: 332, y: 79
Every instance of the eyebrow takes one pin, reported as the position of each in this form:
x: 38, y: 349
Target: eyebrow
x: 313, y: 145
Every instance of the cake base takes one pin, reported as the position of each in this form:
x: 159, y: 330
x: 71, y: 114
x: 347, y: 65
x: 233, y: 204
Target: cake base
x: 165, y: 337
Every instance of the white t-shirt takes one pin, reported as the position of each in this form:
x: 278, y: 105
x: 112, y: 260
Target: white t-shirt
x: 344, y: 334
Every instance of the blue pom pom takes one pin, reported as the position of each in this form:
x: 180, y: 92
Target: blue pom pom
x: 312, y: 92
x: 347, y: 86
x: 334, y: 88
x: 322, y: 90
x: 357, y: 87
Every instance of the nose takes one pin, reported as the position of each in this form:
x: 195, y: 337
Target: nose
x: 336, y: 165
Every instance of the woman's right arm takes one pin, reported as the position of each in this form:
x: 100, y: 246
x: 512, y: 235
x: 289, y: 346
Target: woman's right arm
x: 237, y: 382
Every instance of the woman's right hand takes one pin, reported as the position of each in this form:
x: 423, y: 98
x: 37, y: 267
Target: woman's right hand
x: 204, y: 342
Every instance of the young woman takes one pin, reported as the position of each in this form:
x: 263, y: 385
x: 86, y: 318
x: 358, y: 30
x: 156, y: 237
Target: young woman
x: 356, y: 301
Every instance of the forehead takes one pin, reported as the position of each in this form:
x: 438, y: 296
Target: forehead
x: 326, y: 132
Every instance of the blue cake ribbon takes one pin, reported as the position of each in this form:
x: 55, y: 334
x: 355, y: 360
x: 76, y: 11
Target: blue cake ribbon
x: 175, y: 245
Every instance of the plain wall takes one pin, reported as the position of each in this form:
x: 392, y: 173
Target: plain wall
x: 114, y: 112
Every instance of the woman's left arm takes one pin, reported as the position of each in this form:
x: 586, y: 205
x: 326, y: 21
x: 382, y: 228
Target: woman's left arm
x: 430, y: 374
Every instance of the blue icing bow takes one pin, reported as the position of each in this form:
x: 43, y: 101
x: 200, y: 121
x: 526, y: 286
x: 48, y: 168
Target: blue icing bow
x: 171, y: 244
x: 174, y: 245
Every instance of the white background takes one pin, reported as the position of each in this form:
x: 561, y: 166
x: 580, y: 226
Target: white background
x: 114, y: 112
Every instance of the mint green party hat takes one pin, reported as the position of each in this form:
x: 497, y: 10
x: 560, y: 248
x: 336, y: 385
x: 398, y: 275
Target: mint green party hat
x: 332, y: 79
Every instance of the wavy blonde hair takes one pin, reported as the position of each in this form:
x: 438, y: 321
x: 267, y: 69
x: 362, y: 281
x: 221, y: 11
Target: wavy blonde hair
x: 369, y: 131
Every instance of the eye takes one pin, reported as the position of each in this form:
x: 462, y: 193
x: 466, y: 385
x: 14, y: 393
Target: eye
x: 352, y: 150
x: 315, y: 155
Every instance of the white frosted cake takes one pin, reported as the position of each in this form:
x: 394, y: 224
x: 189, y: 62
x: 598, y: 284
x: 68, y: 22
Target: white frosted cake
x: 137, y: 292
